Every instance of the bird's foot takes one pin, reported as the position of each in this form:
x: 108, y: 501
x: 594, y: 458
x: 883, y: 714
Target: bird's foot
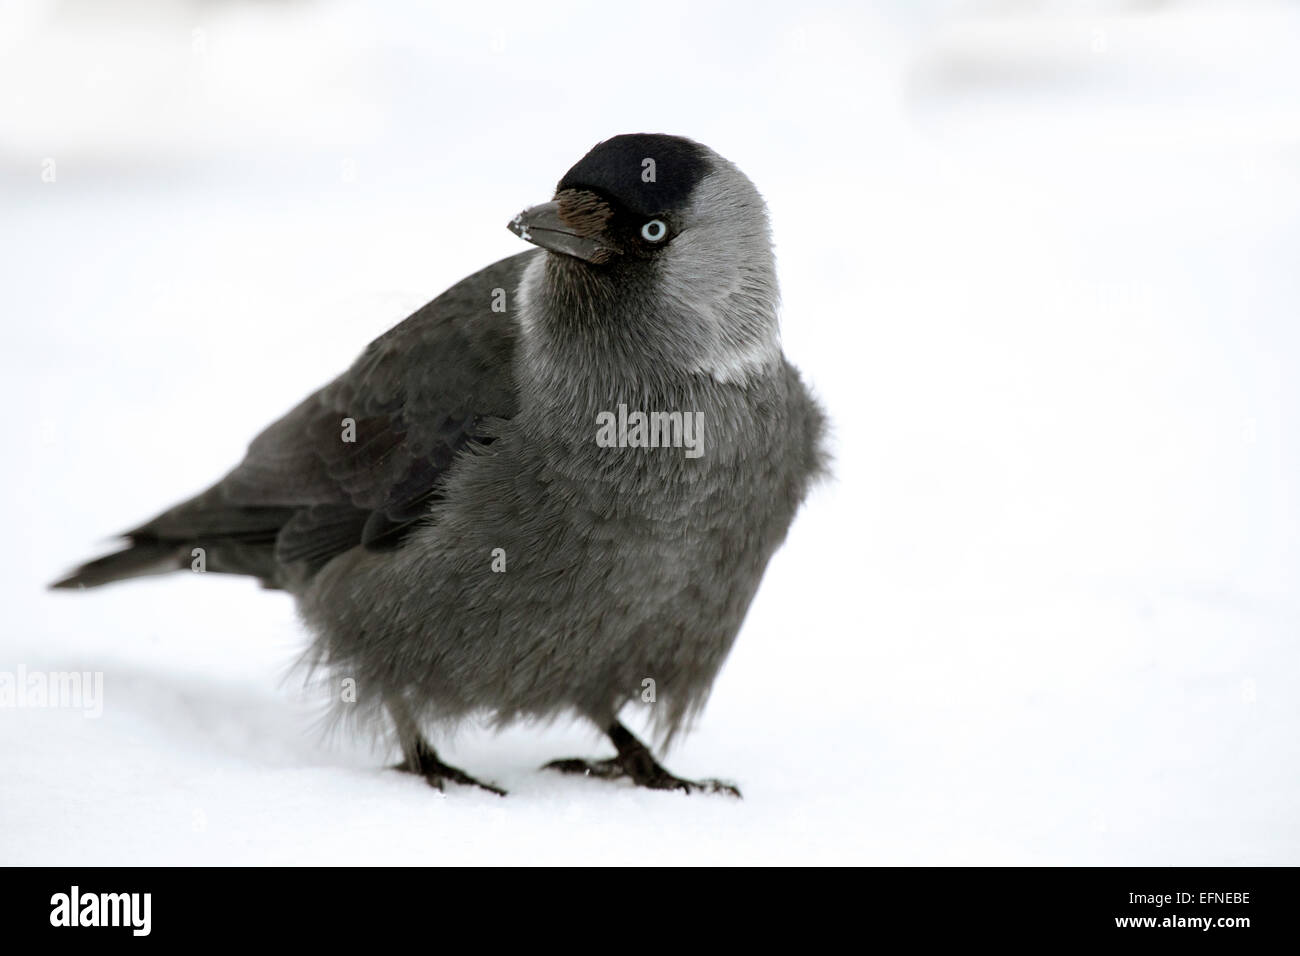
x: 635, y: 762
x: 657, y: 779
x: 423, y: 760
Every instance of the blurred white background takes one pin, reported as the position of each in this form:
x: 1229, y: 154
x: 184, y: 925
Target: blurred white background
x: 1039, y: 260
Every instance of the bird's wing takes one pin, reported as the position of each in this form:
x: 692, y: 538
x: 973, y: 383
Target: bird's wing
x: 360, y: 460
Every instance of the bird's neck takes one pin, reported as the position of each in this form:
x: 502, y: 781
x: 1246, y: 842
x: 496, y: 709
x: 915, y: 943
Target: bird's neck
x: 584, y: 342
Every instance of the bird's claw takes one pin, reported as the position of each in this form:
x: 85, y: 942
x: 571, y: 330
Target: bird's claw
x: 653, y: 778
x: 437, y: 773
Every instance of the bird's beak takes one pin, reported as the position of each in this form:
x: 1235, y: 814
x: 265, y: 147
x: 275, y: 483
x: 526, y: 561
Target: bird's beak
x: 545, y: 225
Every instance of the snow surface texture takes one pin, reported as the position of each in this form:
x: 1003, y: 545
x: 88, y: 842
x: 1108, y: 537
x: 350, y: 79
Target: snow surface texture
x: 1039, y: 264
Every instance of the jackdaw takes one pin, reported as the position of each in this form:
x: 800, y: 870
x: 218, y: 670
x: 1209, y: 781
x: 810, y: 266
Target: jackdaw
x: 551, y: 491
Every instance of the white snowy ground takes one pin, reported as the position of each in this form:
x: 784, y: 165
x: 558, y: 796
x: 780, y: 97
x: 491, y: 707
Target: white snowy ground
x: 1040, y: 266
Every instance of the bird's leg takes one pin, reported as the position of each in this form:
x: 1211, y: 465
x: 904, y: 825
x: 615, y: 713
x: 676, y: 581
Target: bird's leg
x: 418, y: 756
x: 636, y: 762
x: 421, y: 758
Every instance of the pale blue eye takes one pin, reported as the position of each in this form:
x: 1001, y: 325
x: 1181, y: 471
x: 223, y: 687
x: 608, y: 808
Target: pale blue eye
x: 654, y: 230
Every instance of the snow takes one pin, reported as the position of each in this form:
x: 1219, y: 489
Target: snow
x: 1039, y: 265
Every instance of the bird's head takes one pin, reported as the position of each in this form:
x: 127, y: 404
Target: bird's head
x: 660, y: 235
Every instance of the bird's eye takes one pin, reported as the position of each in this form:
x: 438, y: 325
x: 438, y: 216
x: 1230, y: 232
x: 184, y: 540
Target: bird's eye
x: 654, y: 230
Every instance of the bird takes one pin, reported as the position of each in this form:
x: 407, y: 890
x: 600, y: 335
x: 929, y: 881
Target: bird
x: 550, y: 492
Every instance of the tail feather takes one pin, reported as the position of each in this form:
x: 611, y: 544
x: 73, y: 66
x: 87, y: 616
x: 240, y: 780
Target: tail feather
x: 140, y: 558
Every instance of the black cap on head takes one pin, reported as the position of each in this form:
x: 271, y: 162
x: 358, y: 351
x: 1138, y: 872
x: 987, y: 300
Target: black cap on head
x: 618, y: 168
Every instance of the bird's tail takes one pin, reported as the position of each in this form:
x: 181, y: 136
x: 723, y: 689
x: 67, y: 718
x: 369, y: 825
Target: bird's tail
x: 139, y: 558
